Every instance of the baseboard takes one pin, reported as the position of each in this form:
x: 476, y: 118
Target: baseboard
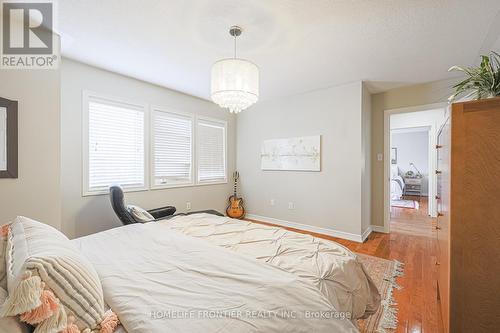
x: 310, y: 228
x: 366, y: 233
x: 378, y: 228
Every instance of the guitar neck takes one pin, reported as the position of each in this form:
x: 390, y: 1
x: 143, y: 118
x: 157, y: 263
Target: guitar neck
x: 236, y: 176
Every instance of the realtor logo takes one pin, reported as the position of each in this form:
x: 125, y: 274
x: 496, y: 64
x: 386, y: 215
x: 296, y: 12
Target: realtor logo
x: 28, y: 35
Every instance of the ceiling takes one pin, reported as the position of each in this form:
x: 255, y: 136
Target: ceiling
x: 410, y: 130
x: 299, y: 45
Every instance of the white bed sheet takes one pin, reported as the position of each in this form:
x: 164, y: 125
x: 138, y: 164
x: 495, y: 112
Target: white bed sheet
x: 397, y: 187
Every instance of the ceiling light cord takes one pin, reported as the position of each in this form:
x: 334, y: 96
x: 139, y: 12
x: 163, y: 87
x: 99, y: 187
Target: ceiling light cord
x: 235, y: 31
x: 234, y: 46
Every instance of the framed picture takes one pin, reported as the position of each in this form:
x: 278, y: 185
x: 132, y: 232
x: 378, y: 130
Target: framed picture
x: 293, y: 154
x: 8, y: 138
x: 394, y: 155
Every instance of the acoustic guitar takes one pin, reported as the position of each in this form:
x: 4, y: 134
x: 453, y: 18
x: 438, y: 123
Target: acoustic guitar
x: 235, y: 208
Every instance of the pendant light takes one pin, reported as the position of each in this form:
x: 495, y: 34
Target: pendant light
x: 235, y: 81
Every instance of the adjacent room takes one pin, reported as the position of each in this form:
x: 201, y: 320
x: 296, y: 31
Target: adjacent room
x: 249, y: 166
x: 409, y: 148
x: 413, y: 138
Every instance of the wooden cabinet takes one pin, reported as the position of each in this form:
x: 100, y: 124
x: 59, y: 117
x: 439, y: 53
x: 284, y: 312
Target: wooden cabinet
x: 443, y: 220
x: 468, y: 225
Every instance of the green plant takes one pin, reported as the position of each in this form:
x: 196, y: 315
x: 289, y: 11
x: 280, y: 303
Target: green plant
x: 481, y: 82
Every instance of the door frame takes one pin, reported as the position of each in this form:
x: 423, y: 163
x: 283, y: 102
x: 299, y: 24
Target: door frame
x: 387, y: 156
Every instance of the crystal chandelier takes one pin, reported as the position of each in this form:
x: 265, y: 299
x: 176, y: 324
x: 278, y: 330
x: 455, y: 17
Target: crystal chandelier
x: 235, y: 82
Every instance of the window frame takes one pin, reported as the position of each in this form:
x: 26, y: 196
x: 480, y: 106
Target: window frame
x: 173, y: 111
x: 87, y: 97
x: 221, y: 122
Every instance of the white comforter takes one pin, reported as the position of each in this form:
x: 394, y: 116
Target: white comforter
x: 158, y: 280
x: 397, y: 187
x: 329, y: 266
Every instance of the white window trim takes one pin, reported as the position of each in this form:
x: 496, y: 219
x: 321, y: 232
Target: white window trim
x: 222, y: 122
x: 151, y: 147
x: 86, y: 97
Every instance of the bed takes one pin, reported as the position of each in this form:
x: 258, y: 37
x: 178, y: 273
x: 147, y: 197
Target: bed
x: 397, y: 183
x: 215, y: 274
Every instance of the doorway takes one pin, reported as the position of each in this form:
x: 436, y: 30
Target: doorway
x: 409, y: 166
x: 409, y: 184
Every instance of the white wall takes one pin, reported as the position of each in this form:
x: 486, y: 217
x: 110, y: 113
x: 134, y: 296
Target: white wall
x: 366, y: 159
x: 413, y: 147
x: 85, y: 215
x: 37, y: 191
x: 329, y: 201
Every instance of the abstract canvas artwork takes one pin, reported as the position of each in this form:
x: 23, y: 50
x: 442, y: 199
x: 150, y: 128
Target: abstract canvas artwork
x: 295, y: 154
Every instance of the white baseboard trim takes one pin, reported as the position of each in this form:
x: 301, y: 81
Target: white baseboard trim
x: 381, y: 229
x: 310, y: 228
x: 366, y: 233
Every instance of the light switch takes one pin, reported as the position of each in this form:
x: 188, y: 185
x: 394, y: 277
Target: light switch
x: 380, y: 157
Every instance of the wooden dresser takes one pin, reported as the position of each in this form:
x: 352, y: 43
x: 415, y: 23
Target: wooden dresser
x: 468, y: 224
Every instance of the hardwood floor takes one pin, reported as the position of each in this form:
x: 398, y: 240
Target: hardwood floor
x: 413, y: 222
x: 411, y: 241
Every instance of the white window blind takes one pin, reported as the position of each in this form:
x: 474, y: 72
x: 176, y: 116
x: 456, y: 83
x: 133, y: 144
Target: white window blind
x: 115, y: 145
x: 172, y: 149
x: 211, y: 151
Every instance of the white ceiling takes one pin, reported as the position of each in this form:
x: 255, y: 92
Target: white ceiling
x: 410, y: 130
x: 299, y: 45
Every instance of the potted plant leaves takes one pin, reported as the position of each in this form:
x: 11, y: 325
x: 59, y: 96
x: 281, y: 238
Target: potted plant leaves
x: 481, y: 82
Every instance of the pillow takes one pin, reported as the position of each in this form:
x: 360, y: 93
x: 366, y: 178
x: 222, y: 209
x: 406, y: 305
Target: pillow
x: 394, y: 170
x: 50, y: 284
x: 139, y: 214
x: 11, y: 324
x: 3, y: 244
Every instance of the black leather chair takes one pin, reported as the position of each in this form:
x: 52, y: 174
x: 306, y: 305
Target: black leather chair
x: 118, y: 204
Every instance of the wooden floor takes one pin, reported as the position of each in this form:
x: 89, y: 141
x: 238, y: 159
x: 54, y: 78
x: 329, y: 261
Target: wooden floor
x: 411, y: 241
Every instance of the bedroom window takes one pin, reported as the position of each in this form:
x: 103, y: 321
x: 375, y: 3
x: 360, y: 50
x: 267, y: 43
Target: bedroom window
x: 172, y: 149
x: 211, y: 151
x: 114, y: 145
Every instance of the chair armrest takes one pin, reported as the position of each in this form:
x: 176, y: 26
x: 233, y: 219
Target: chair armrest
x: 159, y: 213
x: 210, y: 211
